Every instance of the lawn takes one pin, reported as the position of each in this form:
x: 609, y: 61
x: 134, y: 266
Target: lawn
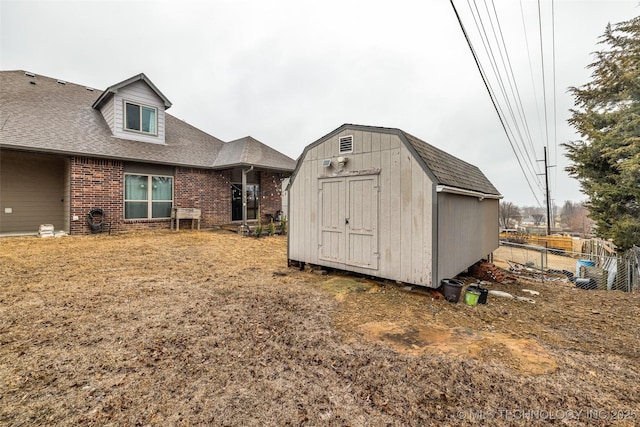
x: 210, y: 328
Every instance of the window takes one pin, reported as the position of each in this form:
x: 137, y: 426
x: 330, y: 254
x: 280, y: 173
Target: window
x: 140, y: 118
x: 346, y: 144
x: 140, y: 203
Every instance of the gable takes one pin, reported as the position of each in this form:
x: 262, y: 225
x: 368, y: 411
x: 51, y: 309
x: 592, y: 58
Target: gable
x: 445, y: 170
x: 134, y: 109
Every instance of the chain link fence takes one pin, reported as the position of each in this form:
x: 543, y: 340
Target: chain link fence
x: 586, y: 270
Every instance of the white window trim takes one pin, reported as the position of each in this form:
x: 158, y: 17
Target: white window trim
x: 149, y: 199
x: 124, y: 117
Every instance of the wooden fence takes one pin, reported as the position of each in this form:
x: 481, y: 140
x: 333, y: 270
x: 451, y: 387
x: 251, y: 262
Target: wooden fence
x: 563, y: 243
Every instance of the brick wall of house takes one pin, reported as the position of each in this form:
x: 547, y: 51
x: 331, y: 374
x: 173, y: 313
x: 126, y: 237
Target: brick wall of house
x: 271, y: 194
x: 206, y: 190
x: 99, y: 183
x: 96, y: 183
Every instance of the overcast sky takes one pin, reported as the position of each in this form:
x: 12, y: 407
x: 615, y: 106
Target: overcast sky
x: 288, y: 72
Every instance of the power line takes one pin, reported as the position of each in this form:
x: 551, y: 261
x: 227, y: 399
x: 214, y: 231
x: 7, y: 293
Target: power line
x: 477, y: 17
x: 544, y: 85
x: 555, y: 112
x: 491, y: 96
x: 516, y: 95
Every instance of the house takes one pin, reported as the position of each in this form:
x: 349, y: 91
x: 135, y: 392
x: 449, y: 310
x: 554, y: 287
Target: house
x: 383, y: 203
x: 66, y: 149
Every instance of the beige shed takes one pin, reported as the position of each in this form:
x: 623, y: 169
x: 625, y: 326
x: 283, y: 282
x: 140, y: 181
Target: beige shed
x: 381, y: 202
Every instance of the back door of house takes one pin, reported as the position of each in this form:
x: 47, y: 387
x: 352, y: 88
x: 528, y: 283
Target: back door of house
x: 348, y: 209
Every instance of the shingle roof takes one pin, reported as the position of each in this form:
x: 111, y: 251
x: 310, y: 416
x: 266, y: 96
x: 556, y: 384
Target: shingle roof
x: 249, y: 151
x: 444, y: 168
x: 40, y: 114
x: 450, y: 170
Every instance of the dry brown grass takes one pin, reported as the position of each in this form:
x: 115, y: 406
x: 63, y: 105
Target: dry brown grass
x: 208, y: 328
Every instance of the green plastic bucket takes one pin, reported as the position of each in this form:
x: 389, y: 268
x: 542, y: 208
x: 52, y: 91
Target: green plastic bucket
x: 471, y: 297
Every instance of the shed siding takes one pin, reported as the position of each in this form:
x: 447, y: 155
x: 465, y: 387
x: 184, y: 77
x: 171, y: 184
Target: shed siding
x: 404, y: 229
x: 137, y: 92
x: 467, y: 232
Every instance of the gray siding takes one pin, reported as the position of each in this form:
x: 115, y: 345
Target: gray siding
x: 467, y: 232
x: 108, y: 112
x: 34, y: 187
x: 404, y: 207
x: 137, y: 92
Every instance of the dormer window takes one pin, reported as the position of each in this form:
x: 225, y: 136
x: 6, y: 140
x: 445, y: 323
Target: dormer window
x: 140, y: 118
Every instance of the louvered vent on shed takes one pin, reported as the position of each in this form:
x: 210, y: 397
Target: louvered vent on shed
x: 346, y: 144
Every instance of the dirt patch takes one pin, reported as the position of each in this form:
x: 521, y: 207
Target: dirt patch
x: 209, y: 328
x: 523, y: 355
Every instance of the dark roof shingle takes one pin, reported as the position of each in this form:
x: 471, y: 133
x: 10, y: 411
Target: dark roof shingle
x: 450, y: 170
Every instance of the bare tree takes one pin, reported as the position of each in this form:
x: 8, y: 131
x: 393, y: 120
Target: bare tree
x: 537, y: 219
x: 575, y: 217
x: 509, y: 214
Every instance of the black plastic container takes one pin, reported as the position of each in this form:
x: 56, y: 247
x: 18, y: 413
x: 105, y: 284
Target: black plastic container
x: 451, y: 289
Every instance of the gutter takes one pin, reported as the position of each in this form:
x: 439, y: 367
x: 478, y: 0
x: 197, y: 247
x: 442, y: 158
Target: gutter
x: 463, y: 192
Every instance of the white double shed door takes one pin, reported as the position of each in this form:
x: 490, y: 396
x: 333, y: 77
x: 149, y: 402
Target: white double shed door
x: 348, y: 209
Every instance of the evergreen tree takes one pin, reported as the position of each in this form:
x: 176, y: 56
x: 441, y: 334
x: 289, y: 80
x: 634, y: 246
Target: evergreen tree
x: 606, y: 161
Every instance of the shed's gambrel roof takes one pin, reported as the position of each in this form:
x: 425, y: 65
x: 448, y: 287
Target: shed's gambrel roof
x: 444, y: 169
x: 450, y: 170
x: 47, y: 115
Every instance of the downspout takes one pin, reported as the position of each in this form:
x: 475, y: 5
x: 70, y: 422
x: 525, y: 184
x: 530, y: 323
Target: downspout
x: 244, y: 198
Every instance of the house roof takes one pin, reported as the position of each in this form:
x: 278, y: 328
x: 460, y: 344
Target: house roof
x: 43, y: 114
x: 443, y: 168
x: 249, y: 151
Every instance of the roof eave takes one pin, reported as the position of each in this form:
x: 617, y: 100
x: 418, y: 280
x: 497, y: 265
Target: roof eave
x: 256, y: 165
x: 463, y: 192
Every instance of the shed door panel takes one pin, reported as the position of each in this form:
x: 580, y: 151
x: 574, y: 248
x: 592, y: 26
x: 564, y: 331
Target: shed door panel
x: 348, y: 210
x: 362, y: 224
x: 332, y: 216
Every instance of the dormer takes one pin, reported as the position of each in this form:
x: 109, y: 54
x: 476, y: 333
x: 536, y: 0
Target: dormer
x: 134, y: 109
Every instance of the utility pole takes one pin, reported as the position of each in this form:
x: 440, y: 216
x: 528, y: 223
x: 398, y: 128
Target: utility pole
x: 546, y: 181
x: 548, y: 196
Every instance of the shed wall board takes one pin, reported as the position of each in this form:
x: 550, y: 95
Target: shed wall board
x: 467, y: 232
x: 405, y: 208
